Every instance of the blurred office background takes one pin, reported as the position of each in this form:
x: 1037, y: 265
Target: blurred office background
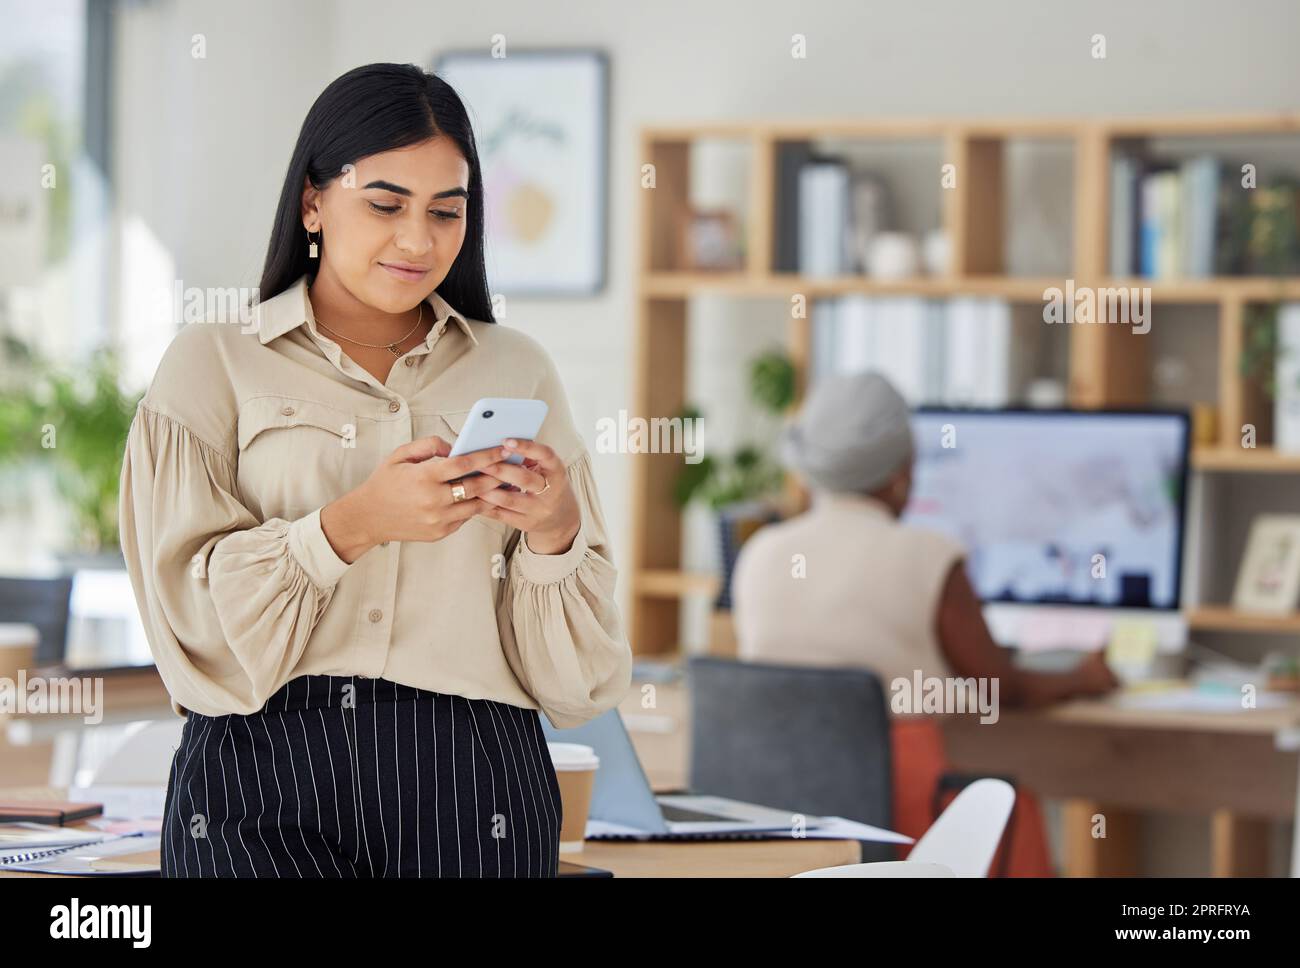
x: 169, y: 166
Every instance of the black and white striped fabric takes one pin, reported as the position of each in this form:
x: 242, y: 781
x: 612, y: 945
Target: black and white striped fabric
x: 348, y: 776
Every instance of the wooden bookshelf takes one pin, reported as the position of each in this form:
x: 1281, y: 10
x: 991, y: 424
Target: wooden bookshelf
x: 1221, y: 618
x: 1106, y: 368
x: 1261, y: 460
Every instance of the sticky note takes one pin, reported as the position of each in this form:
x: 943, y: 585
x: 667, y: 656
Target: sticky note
x: 1133, y: 642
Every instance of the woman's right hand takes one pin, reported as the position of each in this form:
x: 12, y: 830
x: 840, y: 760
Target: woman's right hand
x: 408, y: 498
x: 1094, y: 676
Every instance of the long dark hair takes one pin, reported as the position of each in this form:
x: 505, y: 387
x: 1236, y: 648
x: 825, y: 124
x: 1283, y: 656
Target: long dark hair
x: 370, y: 109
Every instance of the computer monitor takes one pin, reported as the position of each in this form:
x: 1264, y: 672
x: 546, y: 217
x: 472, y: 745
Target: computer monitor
x: 1079, y: 513
x: 104, y: 626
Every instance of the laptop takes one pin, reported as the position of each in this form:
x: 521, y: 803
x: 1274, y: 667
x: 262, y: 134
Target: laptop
x: 623, y: 806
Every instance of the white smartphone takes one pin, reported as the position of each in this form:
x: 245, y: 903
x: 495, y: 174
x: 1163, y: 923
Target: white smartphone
x: 493, y: 419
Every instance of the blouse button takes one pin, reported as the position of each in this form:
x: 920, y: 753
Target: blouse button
x: 394, y: 406
x: 410, y: 361
x: 287, y: 411
x: 376, y: 615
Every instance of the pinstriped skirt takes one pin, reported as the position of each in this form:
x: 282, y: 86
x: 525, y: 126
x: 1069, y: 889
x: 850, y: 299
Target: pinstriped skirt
x: 348, y: 776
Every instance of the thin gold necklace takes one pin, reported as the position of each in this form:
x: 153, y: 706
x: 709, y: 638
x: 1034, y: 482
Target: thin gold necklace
x: 391, y: 347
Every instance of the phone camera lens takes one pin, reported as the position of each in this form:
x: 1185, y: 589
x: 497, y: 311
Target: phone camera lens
x: 487, y: 413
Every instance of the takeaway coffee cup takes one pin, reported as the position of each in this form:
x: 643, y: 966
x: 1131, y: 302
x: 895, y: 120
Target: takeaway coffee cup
x: 575, y: 769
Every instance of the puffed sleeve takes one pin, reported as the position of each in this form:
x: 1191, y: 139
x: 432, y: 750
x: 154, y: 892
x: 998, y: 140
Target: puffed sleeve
x: 563, y: 635
x: 228, y: 601
x: 557, y: 614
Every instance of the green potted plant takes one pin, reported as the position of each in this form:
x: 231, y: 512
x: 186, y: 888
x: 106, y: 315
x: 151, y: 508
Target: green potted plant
x: 75, y: 424
x: 743, y: 489
x: 1264, y: 239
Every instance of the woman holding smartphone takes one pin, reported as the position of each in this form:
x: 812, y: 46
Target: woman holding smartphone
x: 361, y: 641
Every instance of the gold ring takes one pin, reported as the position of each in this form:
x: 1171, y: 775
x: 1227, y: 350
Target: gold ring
x: 457, y: 492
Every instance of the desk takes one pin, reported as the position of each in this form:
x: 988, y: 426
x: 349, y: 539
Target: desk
x: 737, y: 858
x: 659, y: 741
x: 721, y: 858
x: 1240, y: 768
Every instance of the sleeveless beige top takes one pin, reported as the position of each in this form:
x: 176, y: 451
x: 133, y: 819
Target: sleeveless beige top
x: 844, y: 584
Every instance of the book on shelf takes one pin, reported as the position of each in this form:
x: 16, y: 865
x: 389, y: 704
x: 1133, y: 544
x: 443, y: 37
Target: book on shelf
x: 827, y: 213
x: 824, y: 193
x: 791, y: 156
x: 1125, y: 172
x: 979, y: 351
x: 1166, y: 221
x: 1199, y: 197
x: 957, y: 352
x: 1160, y: 225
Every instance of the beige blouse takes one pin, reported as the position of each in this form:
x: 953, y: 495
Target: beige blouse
x: 250, y: 427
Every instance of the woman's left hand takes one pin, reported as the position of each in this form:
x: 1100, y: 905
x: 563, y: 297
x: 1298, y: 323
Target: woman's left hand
x: 552, y: 518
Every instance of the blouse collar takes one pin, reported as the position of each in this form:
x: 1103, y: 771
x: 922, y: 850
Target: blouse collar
x: 292, y: 308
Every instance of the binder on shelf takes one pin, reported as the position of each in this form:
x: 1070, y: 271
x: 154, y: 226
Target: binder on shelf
x: 1124, y: 173
x: 791, y: 156
x: 823, y: 217
x: 957, y: 351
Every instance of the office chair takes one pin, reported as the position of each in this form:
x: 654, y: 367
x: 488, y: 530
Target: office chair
x: 809, y: 739
x: 960, y: 843
x: 44, y: 603
x: 967, y: 834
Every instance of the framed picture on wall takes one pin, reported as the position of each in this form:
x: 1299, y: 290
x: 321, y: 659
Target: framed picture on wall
x: 1269, y: 577
x: 540, y: 119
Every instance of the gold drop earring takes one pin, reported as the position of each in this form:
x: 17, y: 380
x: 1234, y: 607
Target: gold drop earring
x: 313, y: 251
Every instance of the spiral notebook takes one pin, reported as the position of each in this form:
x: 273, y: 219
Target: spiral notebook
x: 131, y: 854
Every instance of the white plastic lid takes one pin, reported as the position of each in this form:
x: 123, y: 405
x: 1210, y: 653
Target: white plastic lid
x: 18, y: 634
x: 573, y: 756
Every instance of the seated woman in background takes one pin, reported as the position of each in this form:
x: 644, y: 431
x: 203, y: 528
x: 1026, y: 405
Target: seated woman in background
x: 874, y: 593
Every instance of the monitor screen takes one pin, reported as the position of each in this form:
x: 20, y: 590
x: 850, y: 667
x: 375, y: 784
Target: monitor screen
x: 104, y: 626
x: 1057, y: 507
